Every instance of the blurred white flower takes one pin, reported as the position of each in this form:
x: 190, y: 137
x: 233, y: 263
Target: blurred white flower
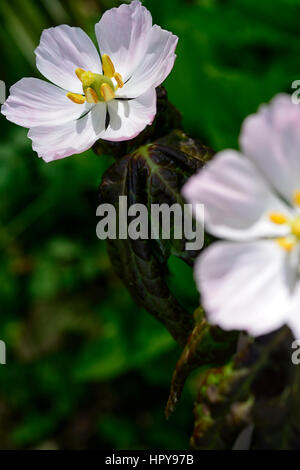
x: 251, y: 281
x: 111, y: 98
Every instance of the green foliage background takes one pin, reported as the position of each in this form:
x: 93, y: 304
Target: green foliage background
x: 86, y: 368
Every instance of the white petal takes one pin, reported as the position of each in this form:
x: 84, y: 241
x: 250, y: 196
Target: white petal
x: 122, y: 33
x: 237, y: 201
x: 294, y: 311
x: 155, y: 65
x: 129, y: 118
x: 63, y: 49
x: 271, y: 138
x: 243, y: 286
x: 293, y: 321
x: 143, y: 54
x: 33, y: 102
x: 55, y: 142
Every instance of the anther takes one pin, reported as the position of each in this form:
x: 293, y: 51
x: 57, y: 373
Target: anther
x: 91, y: 96
x: 286, y: 243
x: 78, y: 99
x: 296, y: 197
x: 278, y: 218
x: 295, y: 227
x: 106, y: 92
x: 86, y: 78
x: 108, y: 66
x: 119, y: 80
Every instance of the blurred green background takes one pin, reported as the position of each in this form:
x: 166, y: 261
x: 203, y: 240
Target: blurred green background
x: 86, y: 368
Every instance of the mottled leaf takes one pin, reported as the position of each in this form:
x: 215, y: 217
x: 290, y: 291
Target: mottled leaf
x: 259, y: 387
x: 154, y: 174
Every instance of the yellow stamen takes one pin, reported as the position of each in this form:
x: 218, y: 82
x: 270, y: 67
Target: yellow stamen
x: 106, y: 92
x: 295, y: 227
x: 108, y: 66
x: 86, y: 78
x: 119, y: 80
x: 278, y: 218
x: 91, y: 95
x: 296, y: 197
x: 79, y: 72
x: 97, y: 87
x: 286, y: 243
x: 78, y: 99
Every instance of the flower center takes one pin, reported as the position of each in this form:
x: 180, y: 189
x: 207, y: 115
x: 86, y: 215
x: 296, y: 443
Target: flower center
x: 96, y: 87
x: 288, y: 242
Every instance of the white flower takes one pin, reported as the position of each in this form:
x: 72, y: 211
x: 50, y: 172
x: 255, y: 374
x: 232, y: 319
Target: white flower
x: 251, y: 281
x: 113, y: 98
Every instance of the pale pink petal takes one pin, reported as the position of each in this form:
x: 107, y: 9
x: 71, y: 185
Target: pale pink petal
x: 155, y: 65
x: 122, y: 33
x: 237, y: 200
x: 271, y: 138
x: 63, y: 49
x: 33, y: 102
x: 128, y: 118
x: 55, y: 142
x: 293, y: 320
x: 244, y: 286
x: 143, y: 54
